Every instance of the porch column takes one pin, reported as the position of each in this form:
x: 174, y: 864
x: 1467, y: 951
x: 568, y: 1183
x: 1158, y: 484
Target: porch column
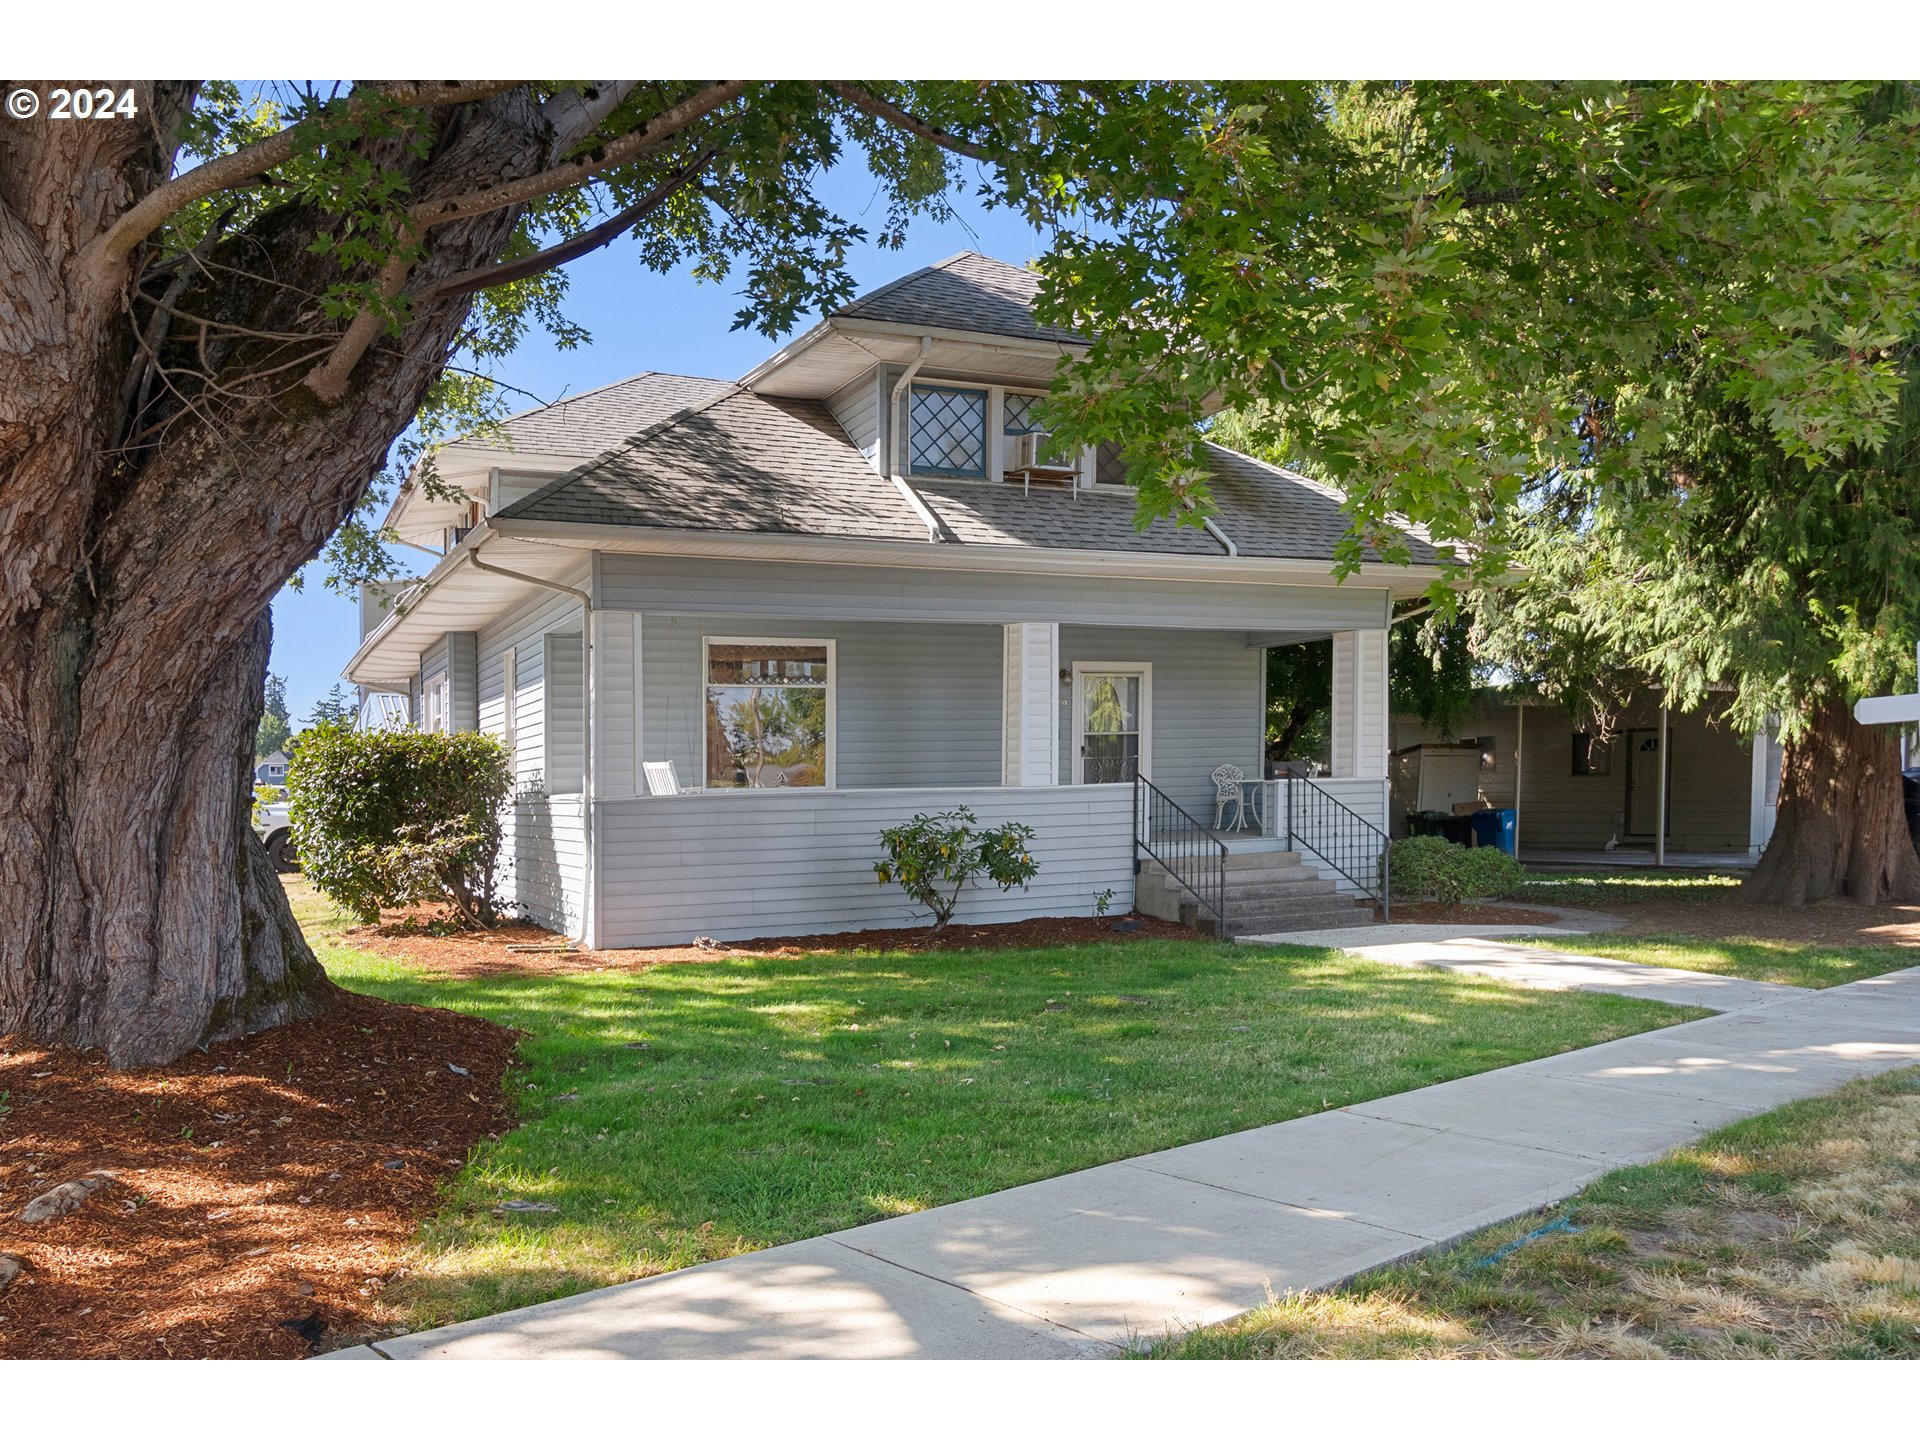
x: 1030, y: 705
x: 616, y: 704
x: 1360, y: 704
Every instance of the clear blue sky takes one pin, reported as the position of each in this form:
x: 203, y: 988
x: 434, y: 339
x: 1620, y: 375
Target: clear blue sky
x: 639, y: 321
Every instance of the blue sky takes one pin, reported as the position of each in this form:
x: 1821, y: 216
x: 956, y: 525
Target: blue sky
x: 639, y: 321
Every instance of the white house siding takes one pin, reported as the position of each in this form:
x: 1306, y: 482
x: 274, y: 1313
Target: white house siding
x: 689, y: 585
x: 508, y: 487
x: 463, y: 680
x: 797, y: 862
x: 1209, y: 694
x: 1710, y: 774
x: 912, y: 704
x: 856, y: 405
x: 544, y: 840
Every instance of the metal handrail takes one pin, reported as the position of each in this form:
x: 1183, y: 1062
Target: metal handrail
x: 1187, y: 851
x: 1341, y: 838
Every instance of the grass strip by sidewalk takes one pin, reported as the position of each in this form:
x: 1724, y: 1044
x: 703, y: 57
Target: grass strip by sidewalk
x: 1795, y: 1234
x: 687, y: 1112
x: 1779, y: 962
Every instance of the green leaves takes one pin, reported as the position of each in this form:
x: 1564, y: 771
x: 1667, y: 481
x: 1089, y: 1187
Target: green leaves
x: 935, y: 857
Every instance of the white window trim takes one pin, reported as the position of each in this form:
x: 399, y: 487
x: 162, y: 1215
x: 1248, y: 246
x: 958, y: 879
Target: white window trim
x: 1142, y: 668
x: 997, y: 438
x: 510, y: 698
x: 707, y: 642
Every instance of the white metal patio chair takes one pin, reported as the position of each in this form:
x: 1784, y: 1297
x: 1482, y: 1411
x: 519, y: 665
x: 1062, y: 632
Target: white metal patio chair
x: 660, y: 778
x: 1228, y: 782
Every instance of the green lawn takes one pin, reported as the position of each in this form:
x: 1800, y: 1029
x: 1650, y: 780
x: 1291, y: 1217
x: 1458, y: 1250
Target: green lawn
x: 1782, y: 962
x: 1622, y: 889
x: 1795, y: 1234
x: 688, y: 1112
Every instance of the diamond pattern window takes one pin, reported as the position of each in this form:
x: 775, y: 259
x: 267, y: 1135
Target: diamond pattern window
x: 947, y: 432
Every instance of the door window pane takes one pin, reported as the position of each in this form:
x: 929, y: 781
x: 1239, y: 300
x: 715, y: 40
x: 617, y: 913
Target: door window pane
x: 1109, y: 728
x: 766, y: 716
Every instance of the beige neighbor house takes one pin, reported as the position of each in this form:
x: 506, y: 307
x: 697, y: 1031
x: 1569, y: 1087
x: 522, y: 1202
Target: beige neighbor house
x: 733, y: 629
x: 1578, y: 796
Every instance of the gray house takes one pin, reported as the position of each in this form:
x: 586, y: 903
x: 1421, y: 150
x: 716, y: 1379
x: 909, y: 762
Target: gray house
x: 731, y: 630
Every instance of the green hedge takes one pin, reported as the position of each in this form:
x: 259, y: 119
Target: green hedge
x: 397, y: 817
x: 1426, y: 866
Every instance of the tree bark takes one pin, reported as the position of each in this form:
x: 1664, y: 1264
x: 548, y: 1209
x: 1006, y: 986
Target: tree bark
x: 144, y: 540
x: 1841, y: 829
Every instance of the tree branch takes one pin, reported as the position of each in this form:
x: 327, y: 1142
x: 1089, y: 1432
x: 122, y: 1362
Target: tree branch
x: 226, y: 171
x: 329, y: 379
x: 866, y: 100
x: 605, y: 233
x: 576, y: 114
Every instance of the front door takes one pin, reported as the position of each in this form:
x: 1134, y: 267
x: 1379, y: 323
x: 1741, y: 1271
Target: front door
x: 1111, y: 723
x: 1643, y: 783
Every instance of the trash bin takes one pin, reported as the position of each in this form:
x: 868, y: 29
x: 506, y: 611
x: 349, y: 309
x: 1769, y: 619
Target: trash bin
x: 1457, y: 828
x: 1506, y: 832
x: 1426, y: 822
x: 1486, y: 827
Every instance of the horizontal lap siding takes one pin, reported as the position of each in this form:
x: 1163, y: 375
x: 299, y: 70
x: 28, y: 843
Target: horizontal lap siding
x: 1209, y: 693
x: 543, y: 846
x: 913, y: 704
x: 683, y: 585
x: 791, y: 862
x: 857, y: 407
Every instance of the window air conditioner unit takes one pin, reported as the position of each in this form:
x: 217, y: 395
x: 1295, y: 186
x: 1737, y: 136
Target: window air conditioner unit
x: 1027, y: 459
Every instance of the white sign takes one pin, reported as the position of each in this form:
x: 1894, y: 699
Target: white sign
x: 1888, y: 710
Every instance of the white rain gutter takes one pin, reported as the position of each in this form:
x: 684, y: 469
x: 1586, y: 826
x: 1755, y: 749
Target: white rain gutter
x: 900, y: 482
x: 590, y: 880
x: 1226, y: 541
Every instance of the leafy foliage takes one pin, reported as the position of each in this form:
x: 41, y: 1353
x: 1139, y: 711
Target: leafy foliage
x: 934, y: 857
x: 275, y: 728
x: 1426, y: 865
x: 333, y: 708
x: 399, y: 817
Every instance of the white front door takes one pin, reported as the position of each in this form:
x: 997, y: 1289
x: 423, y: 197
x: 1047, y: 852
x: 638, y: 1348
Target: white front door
x: 1643, y: 783
x: 1112, y: 722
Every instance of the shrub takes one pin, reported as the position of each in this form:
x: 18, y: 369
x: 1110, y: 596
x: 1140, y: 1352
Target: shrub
x: 396, y: 817
x: 934, y: 857
x: 1426, y: 865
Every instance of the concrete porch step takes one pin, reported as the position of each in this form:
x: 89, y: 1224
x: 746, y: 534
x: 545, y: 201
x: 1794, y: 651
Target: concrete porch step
x: 1281, y: 885
x: 1303, y: 920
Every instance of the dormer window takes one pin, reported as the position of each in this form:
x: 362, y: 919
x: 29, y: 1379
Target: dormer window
x: 947, y: 432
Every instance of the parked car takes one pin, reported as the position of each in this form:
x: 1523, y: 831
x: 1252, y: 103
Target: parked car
x: 273, y: 825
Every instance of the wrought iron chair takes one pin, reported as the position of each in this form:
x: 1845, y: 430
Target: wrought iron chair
x: 1228, y: 783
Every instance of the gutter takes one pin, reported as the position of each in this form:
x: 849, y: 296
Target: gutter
x: 590, y: 880
x: 900, y: 481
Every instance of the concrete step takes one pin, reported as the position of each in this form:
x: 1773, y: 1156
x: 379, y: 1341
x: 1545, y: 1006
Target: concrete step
x: 1334, y: 918
x: 1259, y: 861
x: 1305, y: 905
x: 1281, y: 886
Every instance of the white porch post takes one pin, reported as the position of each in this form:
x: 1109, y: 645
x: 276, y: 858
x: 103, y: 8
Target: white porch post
x: 1660, y: 803
x: 1757, y: 794
x: 1360, y: 704
x: 616, y: 703
x: 1030, y: 705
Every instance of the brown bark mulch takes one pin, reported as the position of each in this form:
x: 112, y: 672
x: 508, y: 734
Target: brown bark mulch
x: 264, y: 1191
x: 1825, y: 922
x: 416, y: 937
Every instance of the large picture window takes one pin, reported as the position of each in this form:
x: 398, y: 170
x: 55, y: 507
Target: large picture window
x: 947, y: 432
x: 768, y: 707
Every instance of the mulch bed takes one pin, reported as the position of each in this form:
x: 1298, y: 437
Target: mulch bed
x: 1827, y: 922
x: 265, y: 1189
x: 414, y: 937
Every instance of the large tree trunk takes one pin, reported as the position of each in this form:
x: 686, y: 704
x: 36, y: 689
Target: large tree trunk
x: 150, y: 509
x: 1841, y: 827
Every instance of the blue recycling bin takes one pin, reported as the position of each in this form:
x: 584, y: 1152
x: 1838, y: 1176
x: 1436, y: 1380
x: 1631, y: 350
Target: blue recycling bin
x: 1493, y: 827
x: 1506, y: 832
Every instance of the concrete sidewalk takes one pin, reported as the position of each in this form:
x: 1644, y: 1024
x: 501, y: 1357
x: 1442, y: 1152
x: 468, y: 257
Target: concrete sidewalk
x: 1086, y: 1263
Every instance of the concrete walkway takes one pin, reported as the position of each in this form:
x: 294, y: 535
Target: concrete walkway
x: 1086, y: 1263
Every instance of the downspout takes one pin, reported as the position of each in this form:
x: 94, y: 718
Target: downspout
x: 590, y: 884
x: 1226, y: 541
x: 900, y: 481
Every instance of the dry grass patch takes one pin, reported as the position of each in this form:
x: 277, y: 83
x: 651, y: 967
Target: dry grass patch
x: 1794, y: 1235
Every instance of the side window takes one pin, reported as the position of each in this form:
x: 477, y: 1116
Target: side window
x: 947, y: 432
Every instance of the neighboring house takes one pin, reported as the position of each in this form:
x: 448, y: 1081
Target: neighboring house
x: 845, y: 589
x: 270, y: 769
x: 1575, y: 792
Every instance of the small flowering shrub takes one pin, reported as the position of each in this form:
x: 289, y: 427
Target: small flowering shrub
x: 934, y: 857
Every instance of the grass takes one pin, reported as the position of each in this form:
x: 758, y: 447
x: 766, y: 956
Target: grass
x: 1781, y: 962
x: 1622, y: 889
x: 1795, y: 1234
x: 688, y: 1112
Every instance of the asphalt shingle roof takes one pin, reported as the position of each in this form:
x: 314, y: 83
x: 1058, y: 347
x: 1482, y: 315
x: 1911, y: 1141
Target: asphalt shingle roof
x: 597, y: 420
x: 741, y: 462
x: 963, y: 292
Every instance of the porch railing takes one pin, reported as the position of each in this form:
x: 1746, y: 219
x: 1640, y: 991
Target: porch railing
x: 1191, y: 854
x: 1339, y: 837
